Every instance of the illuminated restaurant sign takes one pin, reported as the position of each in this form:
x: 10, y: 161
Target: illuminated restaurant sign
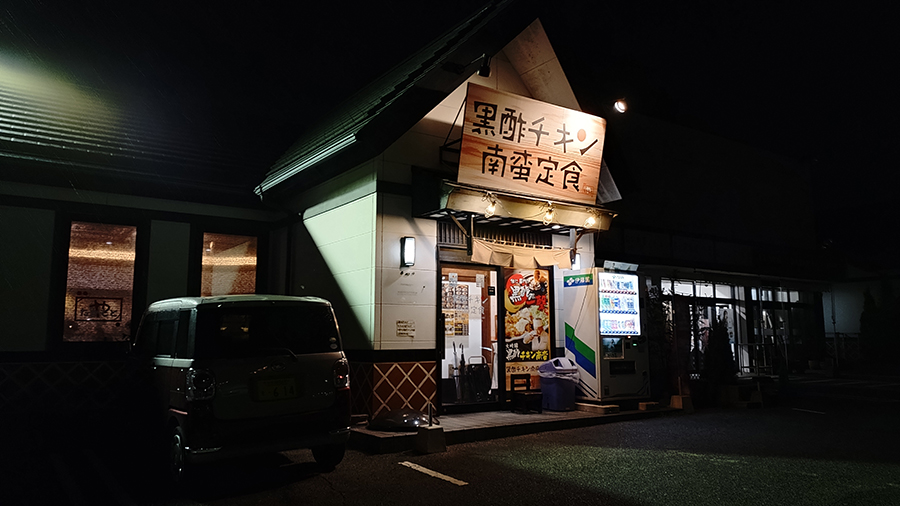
x: 525, y: 146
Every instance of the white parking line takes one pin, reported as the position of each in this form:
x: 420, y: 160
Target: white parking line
x: 809, y: 411
x: 112, y: 485
x: 66, y: 480
x: 434, y: 474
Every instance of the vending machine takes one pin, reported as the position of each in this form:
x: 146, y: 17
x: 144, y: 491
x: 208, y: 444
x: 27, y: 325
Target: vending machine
x: 602, y: 314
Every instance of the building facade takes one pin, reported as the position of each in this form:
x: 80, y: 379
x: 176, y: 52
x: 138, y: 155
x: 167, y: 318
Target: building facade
x: 722, y: 232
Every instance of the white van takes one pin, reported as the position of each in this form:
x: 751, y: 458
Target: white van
x: 240, y: 374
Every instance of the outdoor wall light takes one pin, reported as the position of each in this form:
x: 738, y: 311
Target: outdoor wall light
x: 590, y: 221
x: 485, y: 69
x: 407, y: 251
x: 621, y: 105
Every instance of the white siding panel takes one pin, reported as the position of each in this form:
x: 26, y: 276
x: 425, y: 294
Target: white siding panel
x: 408, y: 287
x: 423, y: 317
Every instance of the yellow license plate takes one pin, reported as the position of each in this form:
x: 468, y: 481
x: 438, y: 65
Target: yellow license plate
x: 276, y: 389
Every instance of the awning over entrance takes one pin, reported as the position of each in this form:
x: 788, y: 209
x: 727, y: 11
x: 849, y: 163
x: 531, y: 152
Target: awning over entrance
x: 507, y: 209
x: 520, y: 257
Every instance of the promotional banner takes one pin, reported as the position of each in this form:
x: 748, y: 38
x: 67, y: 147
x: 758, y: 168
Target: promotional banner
x: 527, y: 326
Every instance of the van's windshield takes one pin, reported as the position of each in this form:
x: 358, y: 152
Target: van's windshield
x: 231, y: 331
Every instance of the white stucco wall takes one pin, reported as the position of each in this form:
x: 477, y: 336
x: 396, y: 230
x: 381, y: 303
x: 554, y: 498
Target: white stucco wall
x: 409, y: 294
x: 345, y: 237
x: 585, y: 248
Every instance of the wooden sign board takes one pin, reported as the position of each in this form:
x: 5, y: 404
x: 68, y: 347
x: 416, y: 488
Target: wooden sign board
x: 529, y: 147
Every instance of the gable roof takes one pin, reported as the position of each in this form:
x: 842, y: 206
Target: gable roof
x: 368, y: 122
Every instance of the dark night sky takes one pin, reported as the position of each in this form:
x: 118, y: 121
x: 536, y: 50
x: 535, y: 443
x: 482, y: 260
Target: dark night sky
x: 817, y: 85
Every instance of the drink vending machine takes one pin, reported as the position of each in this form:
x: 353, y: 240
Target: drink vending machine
x: 602, y: 315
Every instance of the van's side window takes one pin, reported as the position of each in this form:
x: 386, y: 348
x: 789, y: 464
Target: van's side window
x: 165, y: 344
x: 145, y: 342
x: 181, y: 339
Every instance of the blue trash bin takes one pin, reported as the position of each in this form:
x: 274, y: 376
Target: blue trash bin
x: 559, y: 379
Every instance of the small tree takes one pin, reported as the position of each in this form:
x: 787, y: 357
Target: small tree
x: 659, y: 343
x: 718, y: 362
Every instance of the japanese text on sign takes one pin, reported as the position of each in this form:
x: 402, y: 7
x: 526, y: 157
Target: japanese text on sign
x: 516, y: 143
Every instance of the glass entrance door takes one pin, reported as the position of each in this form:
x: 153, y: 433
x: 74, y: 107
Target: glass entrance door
x: 470, y: 360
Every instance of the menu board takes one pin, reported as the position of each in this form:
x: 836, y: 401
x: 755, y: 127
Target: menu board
x: 619, y: 304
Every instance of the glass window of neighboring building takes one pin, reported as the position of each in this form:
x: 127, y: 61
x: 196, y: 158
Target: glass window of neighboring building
x: 99, y: 282
x: 704, y: 289
x: 684, y: 288
x: 229, y: 264
x: 723, y: 291
x: 665, y: 286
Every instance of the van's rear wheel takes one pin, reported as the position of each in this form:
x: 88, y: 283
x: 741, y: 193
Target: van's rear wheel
x: 177, y: 462
x: 329, y: 456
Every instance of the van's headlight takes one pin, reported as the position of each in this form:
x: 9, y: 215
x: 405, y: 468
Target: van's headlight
x: 342, y: 374
x: 200, y: 384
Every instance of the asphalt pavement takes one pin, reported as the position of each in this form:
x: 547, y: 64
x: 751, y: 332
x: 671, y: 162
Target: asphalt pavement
x: 809, y: 420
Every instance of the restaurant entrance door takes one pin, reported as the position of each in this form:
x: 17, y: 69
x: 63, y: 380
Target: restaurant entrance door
x: 469, y: 362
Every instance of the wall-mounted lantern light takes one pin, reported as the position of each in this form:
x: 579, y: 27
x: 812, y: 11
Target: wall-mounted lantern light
x: 407, y: 251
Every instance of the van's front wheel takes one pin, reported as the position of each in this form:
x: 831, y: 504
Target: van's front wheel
x: 329, y: 456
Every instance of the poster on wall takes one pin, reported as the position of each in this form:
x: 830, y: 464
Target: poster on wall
x: 455, y: 306
x: 527, y: 326
x: 619, y: 304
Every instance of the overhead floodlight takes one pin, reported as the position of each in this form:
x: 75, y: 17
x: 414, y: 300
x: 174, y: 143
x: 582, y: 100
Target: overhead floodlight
x: 621, y: 106
x: 485, y: 69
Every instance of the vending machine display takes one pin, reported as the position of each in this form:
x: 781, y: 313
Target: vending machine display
x: 619, y: 305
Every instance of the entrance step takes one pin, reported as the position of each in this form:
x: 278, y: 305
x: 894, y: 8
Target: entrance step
x: 602, y: 409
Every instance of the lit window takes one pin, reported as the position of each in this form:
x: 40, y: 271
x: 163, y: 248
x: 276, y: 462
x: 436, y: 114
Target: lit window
x: 666, y: 286
x: 100, y: 282
x: 229, y: 264
x: 684, y: 288
x: 704, y: 289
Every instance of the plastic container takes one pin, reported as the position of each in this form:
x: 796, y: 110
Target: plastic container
x: 559, y: 379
